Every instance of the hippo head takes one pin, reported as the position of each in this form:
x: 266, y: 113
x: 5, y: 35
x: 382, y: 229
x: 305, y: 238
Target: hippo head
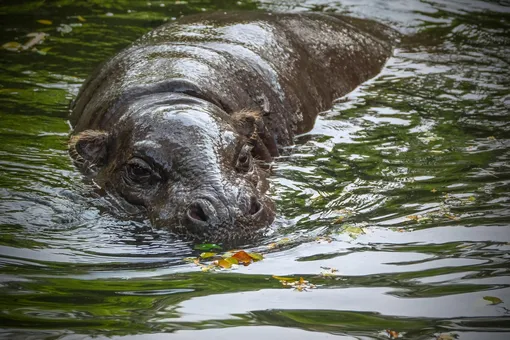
x: 192, y: 167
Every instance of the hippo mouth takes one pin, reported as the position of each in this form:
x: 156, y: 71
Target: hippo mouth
x: 209, y: 219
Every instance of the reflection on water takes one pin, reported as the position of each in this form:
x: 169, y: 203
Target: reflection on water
x: 402, y: 188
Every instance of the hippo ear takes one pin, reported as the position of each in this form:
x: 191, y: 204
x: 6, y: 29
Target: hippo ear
x: 250, y: 124
x: 89, y: 148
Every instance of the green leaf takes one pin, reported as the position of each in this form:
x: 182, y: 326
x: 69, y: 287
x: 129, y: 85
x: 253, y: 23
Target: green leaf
x: 256, y: 256
x: 493, y: 300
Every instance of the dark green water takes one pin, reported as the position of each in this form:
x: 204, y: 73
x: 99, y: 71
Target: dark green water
x: 402, y: 187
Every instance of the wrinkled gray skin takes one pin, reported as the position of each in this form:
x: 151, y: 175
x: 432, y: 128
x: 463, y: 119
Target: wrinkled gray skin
x: 181, y: 124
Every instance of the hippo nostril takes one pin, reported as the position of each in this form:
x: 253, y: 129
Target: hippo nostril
x: 255, y: 206
x: 195, y: 212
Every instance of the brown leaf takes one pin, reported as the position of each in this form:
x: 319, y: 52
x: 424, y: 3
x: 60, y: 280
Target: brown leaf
x: 392, y: 334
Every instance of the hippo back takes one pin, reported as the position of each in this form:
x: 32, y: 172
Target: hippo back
x: 288, y: 66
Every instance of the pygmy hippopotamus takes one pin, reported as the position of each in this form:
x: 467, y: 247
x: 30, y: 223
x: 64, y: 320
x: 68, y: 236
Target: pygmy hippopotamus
x: 180, y: 126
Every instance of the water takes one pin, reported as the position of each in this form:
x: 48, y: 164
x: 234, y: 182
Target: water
x: 401, y: 189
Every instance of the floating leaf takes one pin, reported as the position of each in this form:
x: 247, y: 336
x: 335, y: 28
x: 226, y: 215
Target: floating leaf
x: 223, y: 264
x: 392, y: 334
x: 300, y: 285
x: 82, y: 19
x: 256, y: 256
x: 12, y: 46
x: 328, y: 272
x: 282, y: 278
x: 353, y: 231
x: 63, y: 29
x: 206, y: 246
x: 43, y: 51
x: 242, y: 257
x: 36, y: 38
x: 491, y: 138
x: 493, y: 300
x: 324, y: 238
x: 433, y: 190
x: 207, y: 268
x: 207, y: 255
x: 232, y: 260
x: 45, y: 22
x: 413, y: 217
x: 471, y: 198
x: 339, y: 220
x: 445, y: 336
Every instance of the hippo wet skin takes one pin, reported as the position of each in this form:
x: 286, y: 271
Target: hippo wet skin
x: 180, y: 126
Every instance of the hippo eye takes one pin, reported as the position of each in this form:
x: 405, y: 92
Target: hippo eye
x: 243, y: 163
x: 139, y: 171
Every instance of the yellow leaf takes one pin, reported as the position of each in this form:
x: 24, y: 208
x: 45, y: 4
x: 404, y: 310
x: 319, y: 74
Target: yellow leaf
x: 231, y: 260
x: 12, y: 46
x: 339, y: 220
x: 227, y: 254
x: 223, y: 264
x: 82, y: 19
x: 491, y: 138
x: 445, y: 337
x: 413, y: 217
x: 207, y: 255
x: 285, y: 279
x: 43, y: 51
x: 284, y: 240
x: 272, y: 245
x: 45, y: 22
x: 256, y: 256
x: 471, y: 198
x: 207, y: 268
x: 433, y: 190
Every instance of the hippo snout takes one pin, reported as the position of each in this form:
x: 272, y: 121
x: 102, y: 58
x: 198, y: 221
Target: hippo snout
x: 211, y: 212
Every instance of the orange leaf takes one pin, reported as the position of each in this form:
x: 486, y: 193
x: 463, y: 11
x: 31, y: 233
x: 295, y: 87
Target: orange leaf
x: 242, y: 257
x: 392, y: 334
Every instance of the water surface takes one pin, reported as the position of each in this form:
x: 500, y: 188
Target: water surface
x: 396, y: 205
